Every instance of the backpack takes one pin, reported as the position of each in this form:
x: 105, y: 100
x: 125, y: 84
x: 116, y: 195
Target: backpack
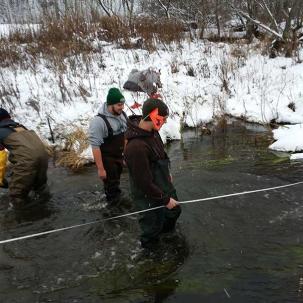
x: 147, y: 81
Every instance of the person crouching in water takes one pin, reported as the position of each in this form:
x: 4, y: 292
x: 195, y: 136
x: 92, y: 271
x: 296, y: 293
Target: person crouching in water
x: 150, y: 179
x: 29, y: 159
x: 106, y: 137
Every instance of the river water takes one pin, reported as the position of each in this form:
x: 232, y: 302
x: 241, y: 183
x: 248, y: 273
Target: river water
x: 238, y: 249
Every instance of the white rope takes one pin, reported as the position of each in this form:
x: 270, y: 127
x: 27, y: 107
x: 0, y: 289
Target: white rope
x: 144, y: 210
x: 242, y: 193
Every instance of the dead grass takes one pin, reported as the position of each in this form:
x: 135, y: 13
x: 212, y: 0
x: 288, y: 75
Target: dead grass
x: 112, y: 29
x: 226, y: 39
x: 238, y: 52
x: 71, y: 160
x: 10, y: 54
x: 163, y: 30
x: 62, y: 38
x: 54, y: 40
x: 57, y: 39
x: 148, y: 30
x: 75, y: 143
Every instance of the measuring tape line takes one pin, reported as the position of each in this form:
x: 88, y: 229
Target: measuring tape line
x: 143, y: 211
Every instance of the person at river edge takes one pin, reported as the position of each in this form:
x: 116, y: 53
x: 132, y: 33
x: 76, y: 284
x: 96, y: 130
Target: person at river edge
x: 150, y: 179
x: 28, y: 157
x: 106, y: 137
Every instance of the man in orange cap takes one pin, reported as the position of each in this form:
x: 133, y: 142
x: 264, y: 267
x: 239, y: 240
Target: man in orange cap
x: 150, y: 179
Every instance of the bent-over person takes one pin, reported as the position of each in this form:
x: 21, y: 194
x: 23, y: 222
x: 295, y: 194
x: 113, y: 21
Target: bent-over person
x: 28, y: 157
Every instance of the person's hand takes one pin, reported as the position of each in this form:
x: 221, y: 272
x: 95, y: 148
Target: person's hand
x: 102, y: 173
x: 170, y: 178
x: 172, y: 203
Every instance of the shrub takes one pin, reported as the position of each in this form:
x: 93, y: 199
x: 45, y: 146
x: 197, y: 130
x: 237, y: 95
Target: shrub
x: 56, y: 39
x: 75, y: 143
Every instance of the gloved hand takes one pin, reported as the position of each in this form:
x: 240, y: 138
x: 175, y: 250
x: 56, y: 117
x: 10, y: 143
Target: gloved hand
x: 3, y: 162
x: 4, y: 183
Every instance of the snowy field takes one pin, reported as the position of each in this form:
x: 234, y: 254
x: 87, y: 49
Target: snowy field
x: 200, y: 79
x: 6, y: 29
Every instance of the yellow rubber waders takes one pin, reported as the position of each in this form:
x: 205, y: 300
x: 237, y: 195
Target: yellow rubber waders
x: 3, y: 161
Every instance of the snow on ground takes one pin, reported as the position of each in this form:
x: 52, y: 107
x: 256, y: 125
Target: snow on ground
x: 6, y: 29
x: 288, y: 138
x: 297, y: 156
x: 263, y: 89
x: 200, y: 81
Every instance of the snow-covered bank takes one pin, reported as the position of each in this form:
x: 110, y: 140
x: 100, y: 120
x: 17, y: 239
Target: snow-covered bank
x: 289, y: 138
x: 7, y: 29
x: 200, y: 79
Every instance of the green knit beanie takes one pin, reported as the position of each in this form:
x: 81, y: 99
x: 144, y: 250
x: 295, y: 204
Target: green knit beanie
x: 114, y: 96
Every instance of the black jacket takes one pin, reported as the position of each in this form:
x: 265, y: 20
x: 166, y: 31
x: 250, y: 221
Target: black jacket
x: 143, y: 150
x: 6, y: 128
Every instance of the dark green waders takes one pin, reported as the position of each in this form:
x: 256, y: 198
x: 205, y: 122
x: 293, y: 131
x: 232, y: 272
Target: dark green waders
x: 162, y: 220
x: 30, y: 162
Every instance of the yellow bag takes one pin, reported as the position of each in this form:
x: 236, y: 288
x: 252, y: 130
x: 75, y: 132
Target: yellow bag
x: 3, y: 162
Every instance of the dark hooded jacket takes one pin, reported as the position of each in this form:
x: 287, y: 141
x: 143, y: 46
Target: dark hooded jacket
x: 143, y: 150
x: 6, y: 130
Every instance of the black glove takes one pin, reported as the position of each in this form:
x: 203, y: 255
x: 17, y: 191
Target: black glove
x: 4, y: 183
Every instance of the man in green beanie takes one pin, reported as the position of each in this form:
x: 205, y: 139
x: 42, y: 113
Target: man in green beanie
x: 106, y: 137
x: 150, y: 180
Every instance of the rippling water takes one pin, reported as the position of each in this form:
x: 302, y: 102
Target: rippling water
x: 238, y: 249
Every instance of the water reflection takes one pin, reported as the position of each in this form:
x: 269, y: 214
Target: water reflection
x: 249, y: 247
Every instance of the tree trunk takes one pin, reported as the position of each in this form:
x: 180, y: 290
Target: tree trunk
x: 250, y: 26
x: 250, y: 29
x: 218, y: 19
x: 290, y: 34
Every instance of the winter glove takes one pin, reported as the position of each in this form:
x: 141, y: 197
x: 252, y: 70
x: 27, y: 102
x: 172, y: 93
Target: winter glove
x: 4, y: 183
x: 3, y: 161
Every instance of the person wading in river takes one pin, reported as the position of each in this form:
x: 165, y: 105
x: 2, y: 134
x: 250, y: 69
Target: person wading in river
x: 106, y: 137
x: 29, y: 160
x: 150, y: 180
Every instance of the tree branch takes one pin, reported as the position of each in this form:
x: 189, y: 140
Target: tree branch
x: 128, y: 6
x: 264, y: 6
x: 104, y: 8
x: 166, y: 8
x: 265, y: 27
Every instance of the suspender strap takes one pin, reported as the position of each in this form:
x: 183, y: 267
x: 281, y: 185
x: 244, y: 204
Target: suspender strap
x: 109, y: 128
x: 125, y: 116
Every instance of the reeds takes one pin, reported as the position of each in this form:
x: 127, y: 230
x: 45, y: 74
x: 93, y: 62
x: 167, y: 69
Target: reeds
x: 72, y: 35
x: 75, y: 144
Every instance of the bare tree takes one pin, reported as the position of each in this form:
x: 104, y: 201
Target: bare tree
x: 106, y: 7
x: 128, y: 6
x: 165, y: 5
x: 6, y: 12
x: 282, y: 20
x: 129, y: 10
x: 157, y: 8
